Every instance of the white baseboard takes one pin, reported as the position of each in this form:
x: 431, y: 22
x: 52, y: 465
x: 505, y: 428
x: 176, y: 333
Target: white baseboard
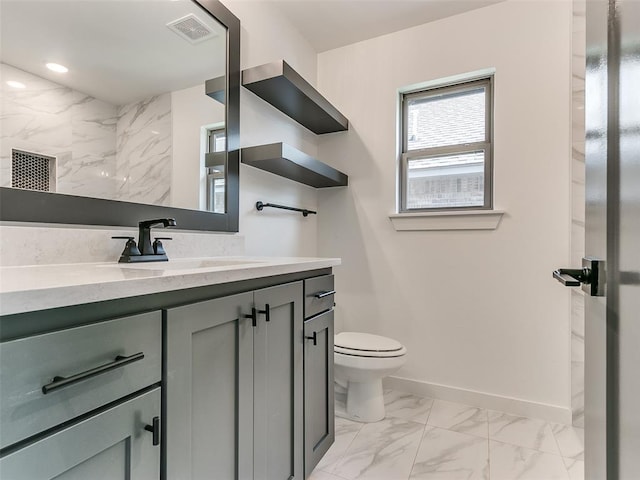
x: 524, y: 408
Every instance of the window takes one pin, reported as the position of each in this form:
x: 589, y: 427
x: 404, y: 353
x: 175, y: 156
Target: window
x: 217, y: 140
x: 446, y: 148
x: 217, y: 143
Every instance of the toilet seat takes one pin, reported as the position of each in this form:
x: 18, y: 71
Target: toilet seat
x: 367, y: 345
x: 361, y: 361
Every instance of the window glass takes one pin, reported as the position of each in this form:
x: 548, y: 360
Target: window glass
x: 446, y: 181
x: 452, y: 119
x: 447, y: 156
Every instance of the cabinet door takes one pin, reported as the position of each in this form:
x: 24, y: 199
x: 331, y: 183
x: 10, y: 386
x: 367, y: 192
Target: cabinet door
x: 109, y: 446
x: 209, y: 388
x: 278, y: 389
x: 319, y: 423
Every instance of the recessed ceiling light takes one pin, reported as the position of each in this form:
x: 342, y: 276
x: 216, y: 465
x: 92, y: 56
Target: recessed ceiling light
x: 56, y: 67
x: 14, y: 84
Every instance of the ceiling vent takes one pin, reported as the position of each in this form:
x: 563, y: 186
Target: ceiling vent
x: 191, y: 28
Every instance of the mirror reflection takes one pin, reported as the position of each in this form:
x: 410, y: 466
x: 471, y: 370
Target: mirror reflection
x: 122, y: 100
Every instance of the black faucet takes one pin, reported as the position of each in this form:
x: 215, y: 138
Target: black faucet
x: 144, y: 238
x: 144, y: 251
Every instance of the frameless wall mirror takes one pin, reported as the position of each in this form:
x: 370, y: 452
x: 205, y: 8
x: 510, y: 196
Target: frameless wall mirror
x: 113, y: 111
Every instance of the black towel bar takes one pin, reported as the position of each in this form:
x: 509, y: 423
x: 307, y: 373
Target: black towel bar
x: 304, y: 211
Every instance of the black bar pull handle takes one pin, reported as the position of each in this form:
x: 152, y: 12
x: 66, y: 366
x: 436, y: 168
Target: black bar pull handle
x: 154, y: 428
x: 119, y: 362
x: 324, y: 294
x: 253, y: 316
x: 313, y: 337
x: 266, y: 312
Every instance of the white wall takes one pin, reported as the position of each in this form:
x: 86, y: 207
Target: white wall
x: 191, y: 111
x: 477, y: 310
x: 267, y: 37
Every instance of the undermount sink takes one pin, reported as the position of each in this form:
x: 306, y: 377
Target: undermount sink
x: 187, y: 264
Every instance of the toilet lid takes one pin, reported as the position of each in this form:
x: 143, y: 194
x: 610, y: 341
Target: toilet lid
x: 367, y: 345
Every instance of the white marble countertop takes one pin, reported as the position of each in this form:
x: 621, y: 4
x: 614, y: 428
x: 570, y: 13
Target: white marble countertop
x: 39, y: 287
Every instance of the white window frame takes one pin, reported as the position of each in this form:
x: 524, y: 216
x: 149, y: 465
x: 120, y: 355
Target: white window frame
x: 486, y: 145
x: 214, y: 179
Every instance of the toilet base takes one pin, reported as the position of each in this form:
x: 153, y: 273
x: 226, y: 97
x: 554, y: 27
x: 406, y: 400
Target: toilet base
x: 365, y: 402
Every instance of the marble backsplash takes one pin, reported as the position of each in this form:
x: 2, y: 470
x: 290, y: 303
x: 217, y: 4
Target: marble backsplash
x: 26, y: 244
x: 100, y: 149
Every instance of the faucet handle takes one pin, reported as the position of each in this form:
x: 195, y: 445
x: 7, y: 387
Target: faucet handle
x: 158, y: 248
x: 130, y: 249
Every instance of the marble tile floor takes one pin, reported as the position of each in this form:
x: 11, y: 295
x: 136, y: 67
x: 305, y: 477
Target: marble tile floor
x: 423, y: 438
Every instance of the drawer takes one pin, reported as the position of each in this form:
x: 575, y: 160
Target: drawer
x: 318, y: 295
x: 100, y: 363
x: 113, y: 444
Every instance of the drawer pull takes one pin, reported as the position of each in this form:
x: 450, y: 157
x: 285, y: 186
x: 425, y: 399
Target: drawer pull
x: 324, y: 294
x: 253, y: 316
x: 154, y: 428
x: 313, y: 337
x: 61, y: 382
x: 267, y: 313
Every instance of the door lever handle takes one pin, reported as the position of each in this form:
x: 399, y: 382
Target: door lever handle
x: 572, y: 277
x: 591, y: 276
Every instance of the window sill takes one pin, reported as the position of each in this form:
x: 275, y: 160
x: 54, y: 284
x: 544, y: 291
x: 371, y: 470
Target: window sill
x: 461, y: 220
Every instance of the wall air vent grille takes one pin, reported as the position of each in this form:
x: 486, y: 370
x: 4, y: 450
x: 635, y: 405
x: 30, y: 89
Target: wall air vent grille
x: 31, y: 171
x: 191, y: 28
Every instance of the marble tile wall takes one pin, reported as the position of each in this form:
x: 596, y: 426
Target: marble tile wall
x: 578, y: 210
x: 50, y: 119
x: 101, y: 150
x: 143, y: 153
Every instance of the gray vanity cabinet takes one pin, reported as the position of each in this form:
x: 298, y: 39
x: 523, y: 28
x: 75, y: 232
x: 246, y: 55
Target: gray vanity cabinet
x: 83, y: 402
x: 234, y: 387
x: 278, y: 388
x: 174, y: 386
x: 319, y: 424
x: 209, y: 390
x: 110, y: 445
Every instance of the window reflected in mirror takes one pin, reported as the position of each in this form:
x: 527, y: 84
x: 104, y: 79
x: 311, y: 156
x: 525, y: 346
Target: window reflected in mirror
x: 216, y: 167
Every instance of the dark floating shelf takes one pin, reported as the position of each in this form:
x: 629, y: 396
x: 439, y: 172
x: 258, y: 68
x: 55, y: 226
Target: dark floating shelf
x: 216, y: 88
x: 216, y: 160
x: 288, y: 162
x: 281, y: 86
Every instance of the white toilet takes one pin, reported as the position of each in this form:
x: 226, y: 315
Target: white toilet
x: 361, y: 360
